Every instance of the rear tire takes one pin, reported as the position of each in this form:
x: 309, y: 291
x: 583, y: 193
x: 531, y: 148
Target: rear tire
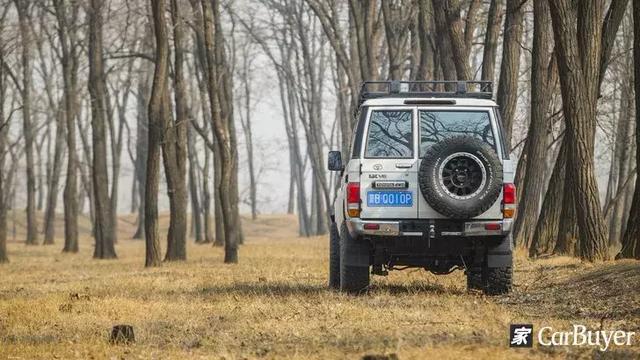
x: 334, y: 257
x: 498, y: 280
x: 474, y: 279
x: 354, y: 277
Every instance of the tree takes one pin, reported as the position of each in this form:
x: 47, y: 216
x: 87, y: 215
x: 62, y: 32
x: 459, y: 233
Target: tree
x: 104, y: 231
x: 67, y: 38
x: 24, y: 18
x: 157, y: 110
x: 460, y: 34
x: 221, y: 107
x: 536, y: 143
x: 245, y: 75
x: 507, y: 96
x: 494, y: 19
x: 174, y: 146
x: 577, y: 36
x: 631, y: 238
x: 4, y: 133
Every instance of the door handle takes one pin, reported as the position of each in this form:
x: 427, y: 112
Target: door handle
x: 404, y: 165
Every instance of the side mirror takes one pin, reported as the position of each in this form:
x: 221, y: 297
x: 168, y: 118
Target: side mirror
x: 334, y: 161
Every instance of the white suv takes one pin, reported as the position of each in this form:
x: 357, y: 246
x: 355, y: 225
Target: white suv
x: 427, y: 184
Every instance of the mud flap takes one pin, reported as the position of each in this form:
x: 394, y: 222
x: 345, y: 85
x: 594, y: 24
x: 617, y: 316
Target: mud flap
x: 355, y: 252
x: 501, y: 254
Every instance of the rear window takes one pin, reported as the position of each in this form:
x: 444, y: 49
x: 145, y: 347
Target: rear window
x: 436, y: 126
x: 390, y: 134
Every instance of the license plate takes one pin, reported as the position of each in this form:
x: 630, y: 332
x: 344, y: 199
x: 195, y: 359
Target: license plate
x: 390, y: 198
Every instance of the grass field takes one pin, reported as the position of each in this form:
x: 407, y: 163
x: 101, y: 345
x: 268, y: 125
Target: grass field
x: 275, y: 304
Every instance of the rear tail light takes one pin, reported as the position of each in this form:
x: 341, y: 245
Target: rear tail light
x: 508, y: 200
x: 353, y: 199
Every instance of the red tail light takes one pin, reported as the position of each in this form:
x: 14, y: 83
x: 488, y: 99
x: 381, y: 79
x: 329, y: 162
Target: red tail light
x: 353, y: 199
x: 509, y: 200
x: 509, y: 194
x: 353, y: 193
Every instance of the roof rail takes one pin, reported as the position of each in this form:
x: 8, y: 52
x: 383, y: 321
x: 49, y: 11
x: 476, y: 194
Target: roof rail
x: 425, y: 89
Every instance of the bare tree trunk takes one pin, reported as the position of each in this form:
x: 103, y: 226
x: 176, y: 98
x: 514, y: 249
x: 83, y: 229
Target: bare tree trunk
x: 175, y: 149
x: 509, y: 70
x: 142, y: 136
x: 460, y: 44
x: 546, y: 230
x: 578, y: 59
x: 425, y: 37
x: 68, y: 41
x: 443, y: 43
x: 567, y: 241
x: 222, y: 110
x: 620, y: 163
x: 536, y: 142
x: 196, y: 210
x: 631, y: 238
x: 155, y: 126
x: 397, y: 22
x: 245, y: 77
x: 494, y: 19
x: 22, y: 7
x: 52, y: 196
x: 4, y: 132
x: 209, y: 236
x: 105, y: 237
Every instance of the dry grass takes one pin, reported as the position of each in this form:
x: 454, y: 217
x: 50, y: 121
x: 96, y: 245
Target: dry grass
x: 275, y: 304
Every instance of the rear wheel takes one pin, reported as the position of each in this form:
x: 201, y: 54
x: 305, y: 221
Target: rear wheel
x: 334, y: 257
x: 354, y: 263
x: 498, y: 280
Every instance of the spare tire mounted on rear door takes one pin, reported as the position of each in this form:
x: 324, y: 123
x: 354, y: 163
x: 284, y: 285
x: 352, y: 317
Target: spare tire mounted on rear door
x: 460, y: 177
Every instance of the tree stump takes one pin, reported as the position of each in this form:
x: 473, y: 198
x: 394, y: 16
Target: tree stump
x: 122, y: 334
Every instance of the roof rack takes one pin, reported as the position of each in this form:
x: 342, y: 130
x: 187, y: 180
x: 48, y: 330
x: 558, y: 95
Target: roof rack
x: 426, y: 89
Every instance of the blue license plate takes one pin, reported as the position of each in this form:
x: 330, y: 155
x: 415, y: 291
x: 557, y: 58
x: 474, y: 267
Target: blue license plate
x: 390, y: 198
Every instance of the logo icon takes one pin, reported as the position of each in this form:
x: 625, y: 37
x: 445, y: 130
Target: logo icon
x: 520, y: 335
x: 377, y: 167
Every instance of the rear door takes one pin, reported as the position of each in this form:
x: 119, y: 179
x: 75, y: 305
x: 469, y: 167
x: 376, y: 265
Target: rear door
x: 389, y: 170
x: 437, y: 123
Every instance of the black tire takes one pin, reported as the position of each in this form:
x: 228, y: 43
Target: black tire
x: 334, y: 257
x: 474, y: 279
x: 498, y: 280
x: 354, y: 274
x: 474, y: 174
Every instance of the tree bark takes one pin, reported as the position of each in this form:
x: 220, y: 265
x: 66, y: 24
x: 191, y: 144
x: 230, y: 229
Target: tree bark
x: 157, y: 110
x: 69, y: 60
x: 104, y: 234
x: 174, y: 146
x: 507, y: 96
x: 547, y: 227
x: 577, y: 37
x: 222, y: 114
x: 494, y: 20
x: 4, y: 132
x: 631, y: 238
x: 536, y: 142
x: 24, y: 16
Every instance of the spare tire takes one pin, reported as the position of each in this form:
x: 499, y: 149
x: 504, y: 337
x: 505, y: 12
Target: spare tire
x: 460, y: 177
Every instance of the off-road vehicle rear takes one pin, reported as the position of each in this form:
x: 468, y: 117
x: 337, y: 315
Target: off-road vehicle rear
x: 427, y: 184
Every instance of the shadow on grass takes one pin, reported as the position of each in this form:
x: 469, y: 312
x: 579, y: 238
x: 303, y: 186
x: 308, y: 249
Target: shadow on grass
x: 415, y: 288
x: 264, y: 289
x: 284, y: 289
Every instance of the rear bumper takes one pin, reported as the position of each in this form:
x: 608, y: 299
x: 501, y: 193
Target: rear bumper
x: 359, y: 227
